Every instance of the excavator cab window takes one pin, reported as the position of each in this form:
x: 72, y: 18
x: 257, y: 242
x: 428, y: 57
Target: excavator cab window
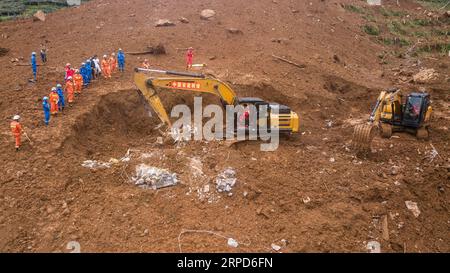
x: 413, y: 110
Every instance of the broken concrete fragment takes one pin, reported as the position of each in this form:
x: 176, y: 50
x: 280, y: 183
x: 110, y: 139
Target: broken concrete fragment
x: 183, y: 20
x: 234, y: 31
x: 412, y: 206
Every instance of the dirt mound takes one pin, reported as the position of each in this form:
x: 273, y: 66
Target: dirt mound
x: 120, y: 118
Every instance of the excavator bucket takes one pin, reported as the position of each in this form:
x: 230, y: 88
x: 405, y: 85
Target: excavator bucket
x: 363, y: 135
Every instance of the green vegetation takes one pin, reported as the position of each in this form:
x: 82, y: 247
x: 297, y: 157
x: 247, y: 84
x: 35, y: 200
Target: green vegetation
x: 436, y: 47
x: 395, y: 41
x: 371, y: 29
x: 391, y: 13
x: 10, y: 9
x: 354, y: 9
x: 396, y: 27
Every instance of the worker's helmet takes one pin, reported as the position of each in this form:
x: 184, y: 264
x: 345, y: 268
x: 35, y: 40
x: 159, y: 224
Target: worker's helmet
x: 67, y: 64
x: 113, y: 54
x: 145, y: 60
x: 88, y: 60
x: 77, y: 71
x: 69, y: 78
x: 33, y: 53
x: 45, y: 98
x: 83, y: 64
x: 53, y: 89
x: 16, y: 117
x: 58, y: 85
x: 104, y: 56
x: 120, y: 49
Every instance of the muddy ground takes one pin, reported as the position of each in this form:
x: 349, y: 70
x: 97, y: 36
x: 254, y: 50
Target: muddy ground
x: 313, y: 194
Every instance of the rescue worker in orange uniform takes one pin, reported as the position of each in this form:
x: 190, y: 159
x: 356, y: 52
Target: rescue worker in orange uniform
x: 113, y: 62
x: 70, y: 89
x: 146, y: 64
x: 78, y: 81
x: 54, y: 99
x: 106, y: 67
x: 16, y: 129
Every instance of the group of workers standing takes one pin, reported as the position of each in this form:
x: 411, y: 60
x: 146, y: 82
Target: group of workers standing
x: 75, y: 80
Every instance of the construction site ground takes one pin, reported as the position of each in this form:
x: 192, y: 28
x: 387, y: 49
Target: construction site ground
x: 313, y: 194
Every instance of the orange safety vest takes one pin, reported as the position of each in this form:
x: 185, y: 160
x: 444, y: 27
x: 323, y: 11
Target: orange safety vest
x: 16, y: 128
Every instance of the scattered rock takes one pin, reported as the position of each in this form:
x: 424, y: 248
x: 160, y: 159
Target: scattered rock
x: 94, y: 164
x: 226, y: 180
x: 164, y: 23
x: 279, y: 40
x: 148, y: 177
x: 183, y: 20
x: 275, y: 247
x: 336, y: 58
x: 412, y: 206
x: 395, y: 170
x: 374, y: 247
x: 4, y: 51
x: 232, y: 242
x: 425, y: 75
x: 159, y: 140
x: 39, y: 15
x: 306, y: 200
x: 146, y: 232
x: 212, y: 58
x: 206, y: 14
x: 332, y: 159
x: 234, y: 31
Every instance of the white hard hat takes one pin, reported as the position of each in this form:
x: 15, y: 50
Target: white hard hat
x: 67, y: 64
x: 69, y: 78
x: 113, y: 53
x: 104, y: 56
x: 16, y: 117
x: 120, y: 49
x: 45, y: 98
x: 83, y: 63
x: 53, y: 88
x: 33, y: 53
x: 58, y: 85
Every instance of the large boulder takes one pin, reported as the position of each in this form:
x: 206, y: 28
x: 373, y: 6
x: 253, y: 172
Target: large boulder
x: 206, y: 14
x: 425, y: 75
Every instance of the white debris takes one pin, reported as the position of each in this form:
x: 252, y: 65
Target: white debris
x: 412, y: 206
x: 196, y: 167
x: 207, y: 13
x: 232, y: 242
x: 164, y: 23
x: 306, y: 200
x: 149, y: 177
x: 94, y: 164
x: 275, y: 247
x: 332, y: 159
x: 226, y: 180
x: 374, y: 247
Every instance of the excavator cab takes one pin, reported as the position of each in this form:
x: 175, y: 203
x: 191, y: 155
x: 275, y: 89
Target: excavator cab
x: 415, y: 109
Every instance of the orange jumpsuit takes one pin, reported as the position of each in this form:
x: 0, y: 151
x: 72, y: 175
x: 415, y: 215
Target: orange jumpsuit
x: 53, y: 98
x: 16, y: 130
x: 106, y: 69
x: 69, y: 88
x: 113, y: 64
x: 78, y: 81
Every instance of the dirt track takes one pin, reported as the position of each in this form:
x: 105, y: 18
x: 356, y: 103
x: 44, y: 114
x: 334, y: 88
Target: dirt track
x: 313, y: 191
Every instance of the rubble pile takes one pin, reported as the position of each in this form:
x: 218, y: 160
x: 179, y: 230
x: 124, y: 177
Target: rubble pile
x: 149, y: 177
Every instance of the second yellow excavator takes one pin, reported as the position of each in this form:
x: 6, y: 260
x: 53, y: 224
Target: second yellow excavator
x: 391, y: 114
x: 278, y: 117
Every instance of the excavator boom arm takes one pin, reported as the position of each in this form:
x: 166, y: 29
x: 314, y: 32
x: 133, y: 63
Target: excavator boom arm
x: 183, y: 82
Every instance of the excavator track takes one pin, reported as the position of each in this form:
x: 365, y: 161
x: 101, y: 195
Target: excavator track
x: 363, y: 135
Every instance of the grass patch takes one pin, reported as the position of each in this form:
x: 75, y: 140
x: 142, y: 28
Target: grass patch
x: 369, y: 18
x: 422, y: 22
x: 443, y: 48
x: 354, y: 9
x: 371, y: 29
x: 391, y: 13
x: 394, y: 41
x: 396, y: 27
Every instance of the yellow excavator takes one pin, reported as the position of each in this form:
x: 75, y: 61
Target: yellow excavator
x: 390, y: 115
x: 278, y: 117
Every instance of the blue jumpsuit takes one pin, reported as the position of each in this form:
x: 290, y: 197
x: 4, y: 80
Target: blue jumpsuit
x: 88, y: 72
x: 46, y: 107
x: 61, y: 102
x: 121, y: 60
x: 34, y: 66
x: 83, y: 74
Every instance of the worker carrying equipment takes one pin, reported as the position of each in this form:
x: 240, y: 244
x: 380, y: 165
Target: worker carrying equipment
x: 16, y: 129
x: 278, y: 117
x: 46, y: 108
x: 54, y: 98
x: 391, y: 114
